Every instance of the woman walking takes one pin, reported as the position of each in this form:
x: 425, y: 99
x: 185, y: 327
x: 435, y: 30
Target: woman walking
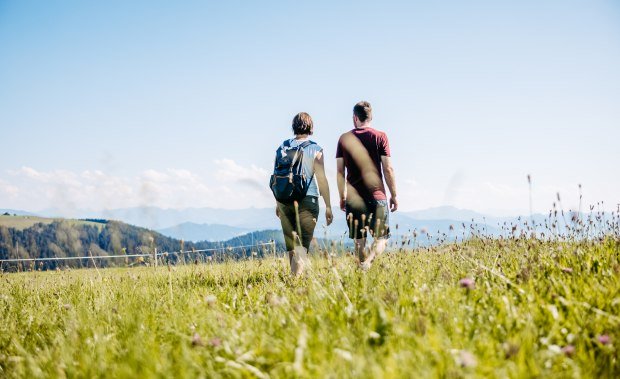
x: 301, y: 179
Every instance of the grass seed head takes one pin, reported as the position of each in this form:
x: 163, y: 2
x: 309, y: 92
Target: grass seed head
x: 510, y: 349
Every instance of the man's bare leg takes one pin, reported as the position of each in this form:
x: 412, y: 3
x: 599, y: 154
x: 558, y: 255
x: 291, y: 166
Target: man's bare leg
x: 360, y: 249
x: 377, y: 248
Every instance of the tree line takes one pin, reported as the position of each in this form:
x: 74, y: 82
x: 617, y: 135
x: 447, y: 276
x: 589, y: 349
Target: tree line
x: 67, y: 238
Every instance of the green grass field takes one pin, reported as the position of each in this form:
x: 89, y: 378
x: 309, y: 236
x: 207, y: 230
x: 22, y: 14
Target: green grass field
x: 536, y: 309
x: 24, y: 222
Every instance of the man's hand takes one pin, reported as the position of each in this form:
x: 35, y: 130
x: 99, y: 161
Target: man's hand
x: 277, y: 211
x: 390, y: 180
x: 342, y: 205
x: 393, y: 204
x: 329, y: 216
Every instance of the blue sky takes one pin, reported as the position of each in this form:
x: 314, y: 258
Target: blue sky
x: 182, y: 104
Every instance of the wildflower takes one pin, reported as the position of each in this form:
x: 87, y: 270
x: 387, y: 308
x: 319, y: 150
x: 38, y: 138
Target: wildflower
x: 197, y: 341
x: 374, y: 335
x: 215, y: 342
x: 466, y: 359
x: 568, y: 350
x: 275, y: 300
x: 467, y: 283
x: 604, y: 339
x: 210, y: 300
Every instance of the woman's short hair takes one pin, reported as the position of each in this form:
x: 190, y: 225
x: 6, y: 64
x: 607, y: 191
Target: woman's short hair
x: 302, y: 123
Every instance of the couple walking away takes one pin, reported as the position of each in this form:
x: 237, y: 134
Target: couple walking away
x: 363, y: 161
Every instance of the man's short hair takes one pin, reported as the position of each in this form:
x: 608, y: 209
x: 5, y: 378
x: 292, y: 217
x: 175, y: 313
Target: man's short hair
x: 363, y: 111
x: 302, y: 123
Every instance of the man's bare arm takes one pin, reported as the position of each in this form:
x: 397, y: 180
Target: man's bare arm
x: 390, y: 179
x: 321, y: 178
x: 341, y: 181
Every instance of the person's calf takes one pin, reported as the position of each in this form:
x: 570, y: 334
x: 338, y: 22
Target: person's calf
x: 378, y: 246
x: 292, y: 261
x: 360, y: 249
x: 299, y: 260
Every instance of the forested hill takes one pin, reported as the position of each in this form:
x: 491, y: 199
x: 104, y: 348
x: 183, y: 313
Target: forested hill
x: 27, y: 237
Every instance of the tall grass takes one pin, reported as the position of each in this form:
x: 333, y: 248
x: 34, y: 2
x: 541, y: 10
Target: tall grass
x: 510, y: 307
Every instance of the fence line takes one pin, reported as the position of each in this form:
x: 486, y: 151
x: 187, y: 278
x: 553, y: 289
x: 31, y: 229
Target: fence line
x: 271, y: 243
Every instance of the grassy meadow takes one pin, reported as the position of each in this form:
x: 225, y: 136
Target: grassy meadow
x: 482, y: 308
x: 24, y: 222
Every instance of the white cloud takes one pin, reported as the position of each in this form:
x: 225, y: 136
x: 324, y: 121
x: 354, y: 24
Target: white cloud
x: 8, y: 190
x: 229, y: 171
x: 232, y: 186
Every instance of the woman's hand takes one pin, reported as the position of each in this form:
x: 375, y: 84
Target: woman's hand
x: 329, y: 216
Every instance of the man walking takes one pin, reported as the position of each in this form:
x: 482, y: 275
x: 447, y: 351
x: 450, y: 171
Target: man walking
x: 364, y: 155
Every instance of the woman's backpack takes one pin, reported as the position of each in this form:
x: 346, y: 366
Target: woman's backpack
x: 288, y: 181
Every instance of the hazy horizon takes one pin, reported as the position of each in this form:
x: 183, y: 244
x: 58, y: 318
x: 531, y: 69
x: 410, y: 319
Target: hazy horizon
x: 62, y: 212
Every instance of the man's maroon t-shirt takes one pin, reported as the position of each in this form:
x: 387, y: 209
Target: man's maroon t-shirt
x: 361, y: 149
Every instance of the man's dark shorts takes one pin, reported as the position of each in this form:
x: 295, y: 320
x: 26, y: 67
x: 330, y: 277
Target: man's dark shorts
x: 308, y: 212
x: 369, y: 216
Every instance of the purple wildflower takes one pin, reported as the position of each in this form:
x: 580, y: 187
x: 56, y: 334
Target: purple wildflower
x: 604, y: 339
x: 568, y: 350
x: 467, y: 283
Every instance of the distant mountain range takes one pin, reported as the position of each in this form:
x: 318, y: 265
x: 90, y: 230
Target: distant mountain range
x: 190, y: 231
x: 158, y: 218
x: 212, y: 224
x: 446, y: 213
